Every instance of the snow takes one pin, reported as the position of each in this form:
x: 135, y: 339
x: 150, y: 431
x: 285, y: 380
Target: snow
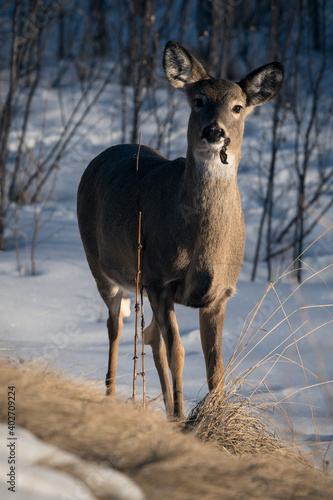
x: 38, y: 477
x: 58, y: 317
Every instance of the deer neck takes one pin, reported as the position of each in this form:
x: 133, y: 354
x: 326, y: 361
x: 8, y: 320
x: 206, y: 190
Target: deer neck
x: 208, y: 183
x: 210, y: 207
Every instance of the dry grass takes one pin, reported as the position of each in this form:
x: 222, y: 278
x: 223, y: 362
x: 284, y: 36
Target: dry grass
x: 241, y: 426
x: 162, y: 460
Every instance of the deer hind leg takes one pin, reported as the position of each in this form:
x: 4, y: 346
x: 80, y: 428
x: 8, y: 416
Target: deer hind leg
x: 112, y: 296
x: 211, y: 326
x: 163, y: 309
x: 153, y: 337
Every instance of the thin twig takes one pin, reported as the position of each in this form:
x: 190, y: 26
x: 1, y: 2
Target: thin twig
x: 143, y: 373
x: 138, y: 281
x: 137, y: 308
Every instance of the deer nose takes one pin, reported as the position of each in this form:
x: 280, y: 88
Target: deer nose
x: 213, y: 133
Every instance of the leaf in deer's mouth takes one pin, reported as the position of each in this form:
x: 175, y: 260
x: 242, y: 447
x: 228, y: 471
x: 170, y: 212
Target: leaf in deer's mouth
x: 223, y: 152
x: 223, y: 155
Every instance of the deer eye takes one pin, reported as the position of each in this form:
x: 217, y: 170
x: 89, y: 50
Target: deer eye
x: 198, y: 103
x: 237, y: 109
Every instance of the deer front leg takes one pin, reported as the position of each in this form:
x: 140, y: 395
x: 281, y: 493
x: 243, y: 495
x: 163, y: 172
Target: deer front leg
x: 163, y: 309
x: 153, y: 337
x: 211, y: 326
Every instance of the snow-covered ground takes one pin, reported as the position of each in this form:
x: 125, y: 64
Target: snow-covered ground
x: 47, y: 473
x: 58, y: 317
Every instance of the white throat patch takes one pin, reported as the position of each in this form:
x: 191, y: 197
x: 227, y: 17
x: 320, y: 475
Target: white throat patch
x: 210, y: 166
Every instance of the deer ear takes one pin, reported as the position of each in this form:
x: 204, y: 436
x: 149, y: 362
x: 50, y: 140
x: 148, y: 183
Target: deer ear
x: 263, y: 84
x: 180, y: 67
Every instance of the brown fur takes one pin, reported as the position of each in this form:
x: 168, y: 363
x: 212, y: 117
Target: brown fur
x: 192, y: 220
x: 164, y: 462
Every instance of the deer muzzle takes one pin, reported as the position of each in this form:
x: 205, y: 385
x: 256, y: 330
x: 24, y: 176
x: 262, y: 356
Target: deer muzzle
x: 213, y: 134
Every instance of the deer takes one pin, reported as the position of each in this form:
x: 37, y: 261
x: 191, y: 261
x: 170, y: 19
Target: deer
x: 193, y: 232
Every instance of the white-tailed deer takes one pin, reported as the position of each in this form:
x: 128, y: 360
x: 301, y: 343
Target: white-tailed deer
x: 192, y: 220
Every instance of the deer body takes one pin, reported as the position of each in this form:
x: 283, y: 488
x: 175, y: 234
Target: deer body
x: 192, y: 220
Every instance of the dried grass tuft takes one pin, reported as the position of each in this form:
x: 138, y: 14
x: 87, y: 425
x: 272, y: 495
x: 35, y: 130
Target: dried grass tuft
x: 243, y: 426
x: 233, y: 426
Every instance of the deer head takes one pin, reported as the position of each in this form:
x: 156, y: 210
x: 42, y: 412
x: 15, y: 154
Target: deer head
x: 218, y: 107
